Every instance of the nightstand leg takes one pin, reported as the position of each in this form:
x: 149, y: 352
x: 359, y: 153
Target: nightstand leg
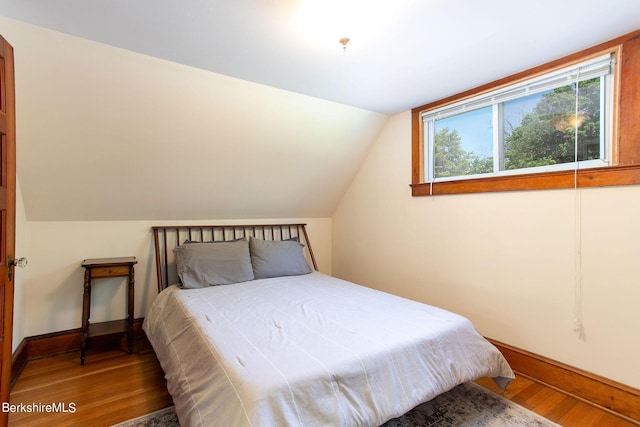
x: 131, y: 308
x: 86, y: 308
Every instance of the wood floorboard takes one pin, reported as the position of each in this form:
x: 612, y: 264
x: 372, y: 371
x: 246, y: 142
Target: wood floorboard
x: 114, y: 386
x: 549, y: 403
x: 583, y: 414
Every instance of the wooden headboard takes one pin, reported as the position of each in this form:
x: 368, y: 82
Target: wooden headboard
x: 166, y: 238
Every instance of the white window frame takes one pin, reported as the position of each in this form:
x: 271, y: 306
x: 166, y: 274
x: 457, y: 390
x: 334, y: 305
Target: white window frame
x: 601, y: 66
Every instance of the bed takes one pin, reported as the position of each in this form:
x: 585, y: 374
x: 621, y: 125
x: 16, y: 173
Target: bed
x: 278, y: 344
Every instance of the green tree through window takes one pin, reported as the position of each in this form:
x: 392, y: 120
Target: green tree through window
x: 452, y: 160
x: 546, y: 136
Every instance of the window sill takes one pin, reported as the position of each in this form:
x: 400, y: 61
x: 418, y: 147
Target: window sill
x: 594, y: 177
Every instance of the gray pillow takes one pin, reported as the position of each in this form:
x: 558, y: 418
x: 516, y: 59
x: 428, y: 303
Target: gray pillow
x: 273, y: 258
x: 213, y: 263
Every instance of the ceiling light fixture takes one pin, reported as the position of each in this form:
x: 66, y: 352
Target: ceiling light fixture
x: 323, y: 22
x: 344, y: 42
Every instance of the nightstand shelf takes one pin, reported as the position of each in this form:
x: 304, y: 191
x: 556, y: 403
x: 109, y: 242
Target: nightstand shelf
x: 101, y: 268
x: 107, y: 328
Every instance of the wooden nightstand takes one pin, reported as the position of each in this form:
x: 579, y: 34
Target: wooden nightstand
x: 104, y: 268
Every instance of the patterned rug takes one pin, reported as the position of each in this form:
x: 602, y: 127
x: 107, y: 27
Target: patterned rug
x: 467, y: 405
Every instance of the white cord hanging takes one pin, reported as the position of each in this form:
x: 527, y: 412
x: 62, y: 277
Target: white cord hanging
x: 578, y: 325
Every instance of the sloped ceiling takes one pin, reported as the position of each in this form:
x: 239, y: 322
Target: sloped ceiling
x: 232, y: 109
x: 109, y: 134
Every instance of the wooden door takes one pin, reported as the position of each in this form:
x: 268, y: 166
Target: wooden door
x: 7, y: 215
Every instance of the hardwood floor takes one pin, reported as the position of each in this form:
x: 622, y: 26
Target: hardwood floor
x: 554, y: 405
x: 114, y: 386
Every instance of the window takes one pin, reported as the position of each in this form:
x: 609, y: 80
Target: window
x: 556, y: 126
x: 556, y: 122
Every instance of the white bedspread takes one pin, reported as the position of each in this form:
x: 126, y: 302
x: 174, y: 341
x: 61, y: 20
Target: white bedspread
x: 309, y: 350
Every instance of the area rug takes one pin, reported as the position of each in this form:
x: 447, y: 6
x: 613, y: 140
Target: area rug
x: 468, y: 405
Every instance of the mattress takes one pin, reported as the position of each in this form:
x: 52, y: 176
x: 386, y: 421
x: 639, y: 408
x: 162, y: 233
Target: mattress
x: 309, y: 350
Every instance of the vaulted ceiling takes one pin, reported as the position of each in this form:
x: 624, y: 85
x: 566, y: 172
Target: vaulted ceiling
x: 235, y: 109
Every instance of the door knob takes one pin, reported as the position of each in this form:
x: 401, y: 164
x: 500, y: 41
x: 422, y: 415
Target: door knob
x: 20, y: 262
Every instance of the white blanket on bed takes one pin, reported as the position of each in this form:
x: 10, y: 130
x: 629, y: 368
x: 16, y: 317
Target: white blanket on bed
x: 309, y: 350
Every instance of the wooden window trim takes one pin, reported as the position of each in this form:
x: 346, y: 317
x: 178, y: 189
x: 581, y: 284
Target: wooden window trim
x: 626, y: 131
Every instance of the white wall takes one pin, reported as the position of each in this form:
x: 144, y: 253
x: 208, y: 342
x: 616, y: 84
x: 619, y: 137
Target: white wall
x: 53, y: 291
x: 505, y: 260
